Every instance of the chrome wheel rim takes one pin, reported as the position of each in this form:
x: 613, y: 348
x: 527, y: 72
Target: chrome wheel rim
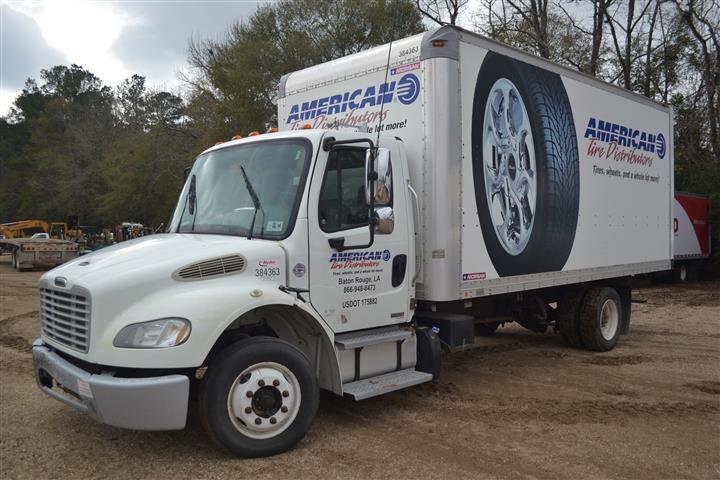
x: 609, y: 319
x: 509, y: 166
x: 264, y: 400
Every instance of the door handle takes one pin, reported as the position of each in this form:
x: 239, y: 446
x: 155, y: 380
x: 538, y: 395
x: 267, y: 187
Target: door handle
x: 398, y: 269
x: 337, y: 243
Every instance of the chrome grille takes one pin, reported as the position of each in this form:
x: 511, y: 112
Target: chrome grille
x: 65, y: 318
x: 211, y: 268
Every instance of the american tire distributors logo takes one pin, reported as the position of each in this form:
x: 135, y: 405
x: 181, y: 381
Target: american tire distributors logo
x: 622, y: 143
x: 406, y: 90
x: 343, y: 260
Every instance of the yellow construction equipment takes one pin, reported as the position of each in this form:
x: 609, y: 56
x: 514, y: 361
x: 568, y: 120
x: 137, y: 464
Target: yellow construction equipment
x: 26, y: 229
x: 23, y: 228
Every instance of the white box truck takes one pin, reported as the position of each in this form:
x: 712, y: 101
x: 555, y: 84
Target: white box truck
x: 419, y: 193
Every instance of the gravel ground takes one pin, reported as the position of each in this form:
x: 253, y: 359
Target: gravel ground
x: 521, y: 405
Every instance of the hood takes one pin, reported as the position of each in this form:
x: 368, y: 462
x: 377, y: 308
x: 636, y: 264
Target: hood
x: 134, y: 281
x: 156, y: 257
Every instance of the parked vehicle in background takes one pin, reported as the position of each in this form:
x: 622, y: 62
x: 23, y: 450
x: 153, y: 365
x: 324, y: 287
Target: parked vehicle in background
x: 483, y: 186
x: 691, y: 232
x: 61, y: 231
x: 129, y: 230
x: 27, y: 228
x: 40, y: 250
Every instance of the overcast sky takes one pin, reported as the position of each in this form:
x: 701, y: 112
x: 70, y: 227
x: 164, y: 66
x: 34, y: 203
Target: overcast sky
x: 111, y: 39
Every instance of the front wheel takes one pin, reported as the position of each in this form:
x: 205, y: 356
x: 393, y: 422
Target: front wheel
x: 259, y: 397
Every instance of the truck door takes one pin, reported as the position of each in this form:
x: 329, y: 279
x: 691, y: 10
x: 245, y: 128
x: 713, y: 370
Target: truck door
x: 357, y: 288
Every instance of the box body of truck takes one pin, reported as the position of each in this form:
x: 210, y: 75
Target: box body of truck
x: 594, y: 200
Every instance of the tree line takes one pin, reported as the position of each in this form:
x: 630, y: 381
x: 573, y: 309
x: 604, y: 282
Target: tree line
x: 74, y: 146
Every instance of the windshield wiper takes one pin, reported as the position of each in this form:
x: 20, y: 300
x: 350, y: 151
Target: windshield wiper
x: 255, y: 200
x: 192, y: 199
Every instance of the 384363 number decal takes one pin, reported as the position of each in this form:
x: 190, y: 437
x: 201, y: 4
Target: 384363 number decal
x: 409, y: 51
x: 267, y: 272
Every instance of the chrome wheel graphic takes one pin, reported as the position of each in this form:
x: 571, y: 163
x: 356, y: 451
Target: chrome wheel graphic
x: 510, y: 166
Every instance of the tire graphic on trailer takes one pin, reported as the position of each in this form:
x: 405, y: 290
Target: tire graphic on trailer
x: 525, y: 166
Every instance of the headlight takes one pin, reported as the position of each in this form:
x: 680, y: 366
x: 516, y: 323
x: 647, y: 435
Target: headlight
x: 166, y: 332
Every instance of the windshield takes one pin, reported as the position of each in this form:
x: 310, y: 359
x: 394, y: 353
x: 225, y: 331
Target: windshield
x: 215, y: 198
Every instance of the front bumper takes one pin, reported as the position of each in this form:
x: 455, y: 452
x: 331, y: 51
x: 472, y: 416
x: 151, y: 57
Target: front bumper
x: 154, y: 403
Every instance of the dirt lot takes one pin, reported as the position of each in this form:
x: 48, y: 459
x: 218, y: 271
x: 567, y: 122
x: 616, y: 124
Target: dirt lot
x: 520, y: 406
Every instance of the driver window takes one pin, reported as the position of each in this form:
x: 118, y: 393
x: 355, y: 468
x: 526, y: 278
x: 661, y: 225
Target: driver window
x: 342, y: 197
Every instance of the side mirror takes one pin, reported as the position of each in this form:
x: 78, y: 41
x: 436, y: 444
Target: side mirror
x: 378, y: 177
x: 385, y: 220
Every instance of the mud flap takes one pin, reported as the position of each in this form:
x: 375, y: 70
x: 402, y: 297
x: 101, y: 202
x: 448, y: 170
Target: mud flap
x: 626, y: 304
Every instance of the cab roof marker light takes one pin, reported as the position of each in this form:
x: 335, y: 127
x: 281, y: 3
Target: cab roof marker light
x: 237, y: 137
x: 272, y: 130
x: 252, y: 134
x: 218, y: 143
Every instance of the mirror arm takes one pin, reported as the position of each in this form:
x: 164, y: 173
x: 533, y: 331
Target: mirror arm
x: 329, y: 143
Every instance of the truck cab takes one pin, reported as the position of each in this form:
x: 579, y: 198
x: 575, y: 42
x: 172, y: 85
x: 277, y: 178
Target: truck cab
x: 288, y: 266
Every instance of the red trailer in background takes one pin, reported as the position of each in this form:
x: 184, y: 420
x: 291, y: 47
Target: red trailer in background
x: 691, y: 232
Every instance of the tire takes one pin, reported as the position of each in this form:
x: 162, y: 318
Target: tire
x: 680, y: 273
x: 600, y: 319
x: 567, y: 317
x: 684, y: 272
x: 543, y: 171
x: 224, y: 397
x: 485, y: 329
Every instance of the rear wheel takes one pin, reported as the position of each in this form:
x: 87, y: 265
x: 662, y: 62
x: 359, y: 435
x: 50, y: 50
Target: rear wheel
x: 600, y: 319
x: 680, y: 273
x: 259, y: 397
x: 684, y: 272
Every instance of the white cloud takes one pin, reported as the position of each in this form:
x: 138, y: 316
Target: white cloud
x: 7, y: 97
x: 112, y: 39
x: 83, y: 31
